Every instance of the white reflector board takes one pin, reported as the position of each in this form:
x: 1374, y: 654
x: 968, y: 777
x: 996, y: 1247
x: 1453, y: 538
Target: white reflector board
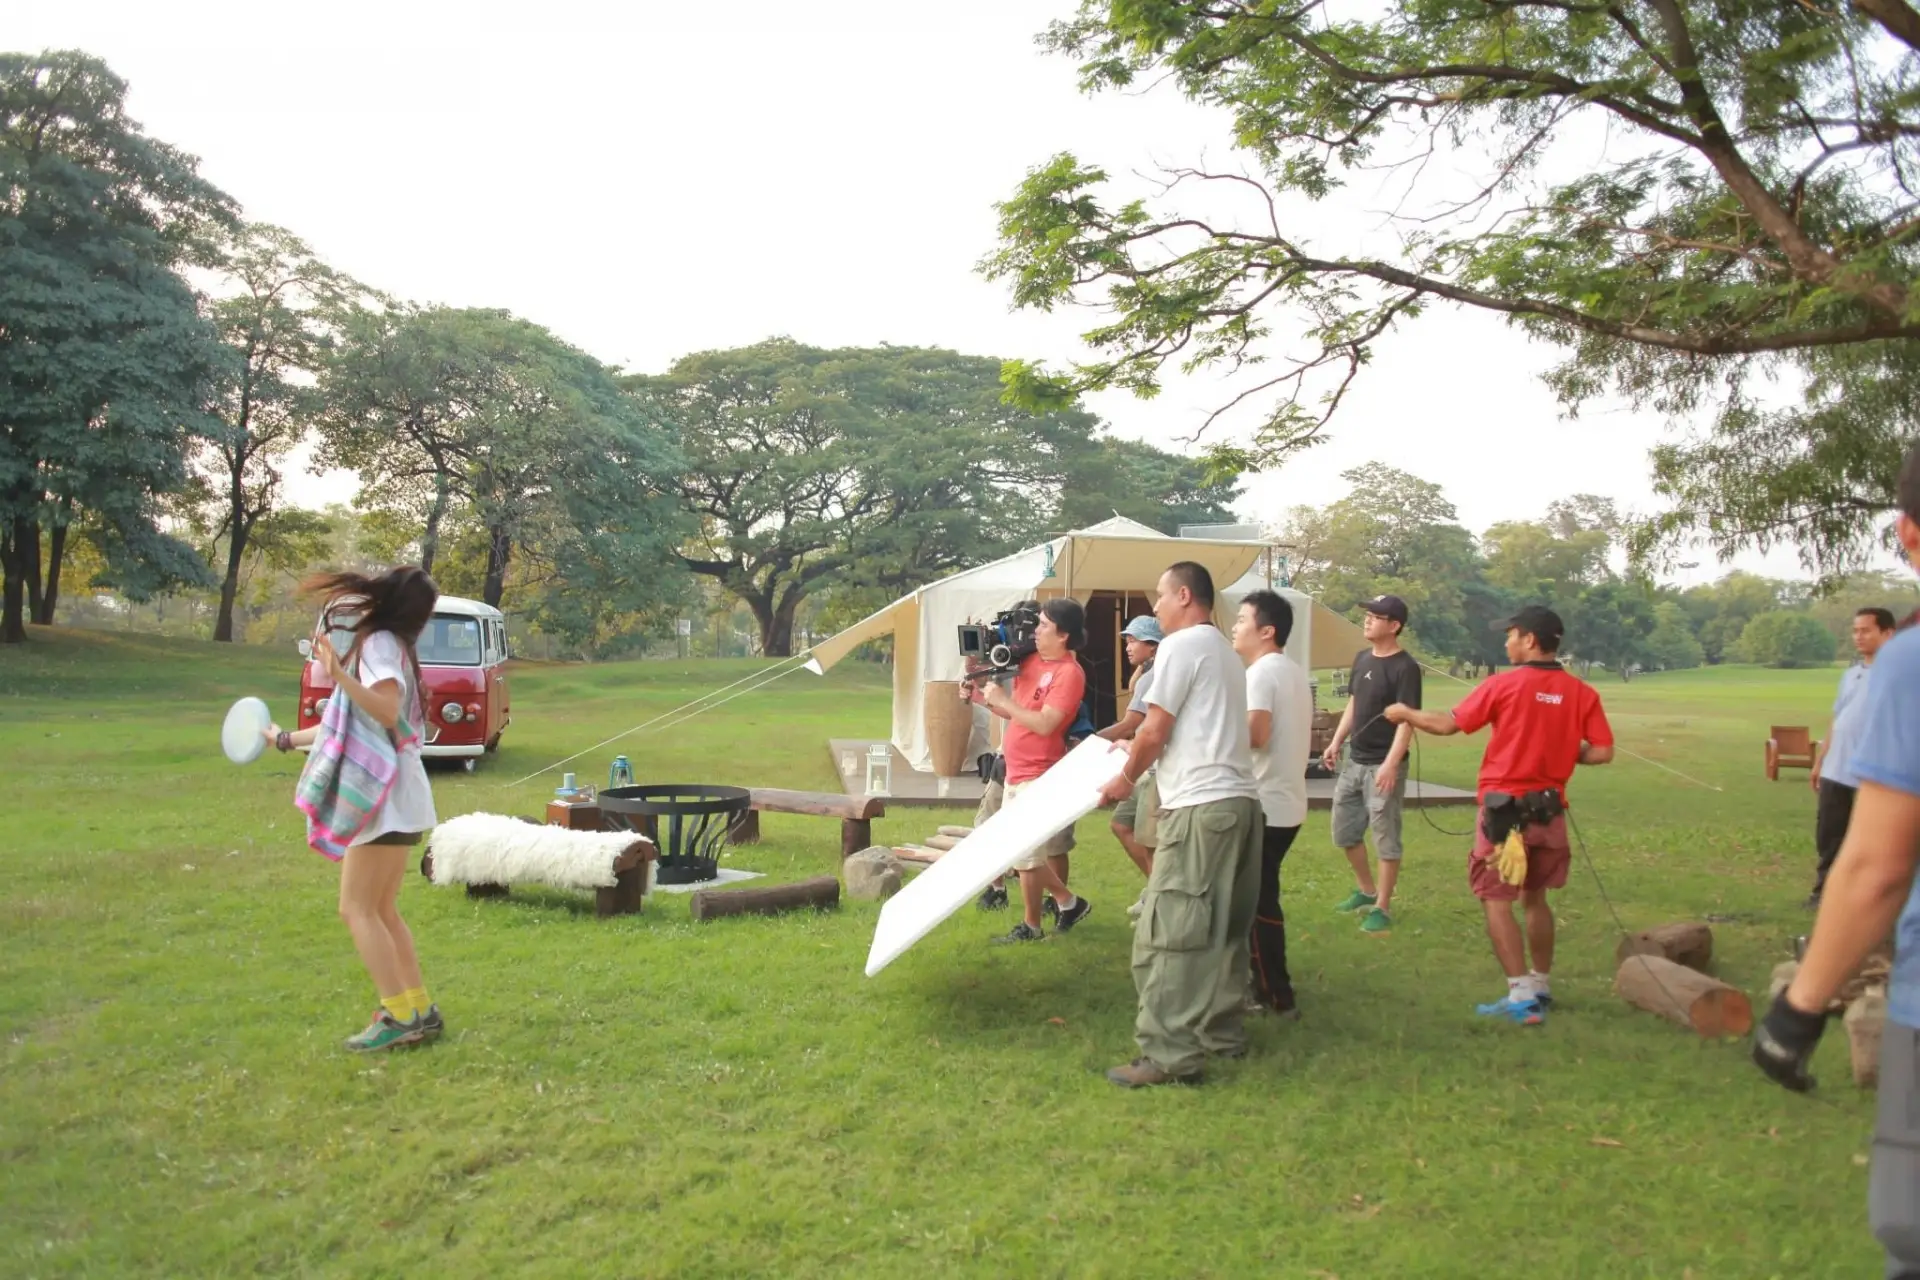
x: 1058, y: 798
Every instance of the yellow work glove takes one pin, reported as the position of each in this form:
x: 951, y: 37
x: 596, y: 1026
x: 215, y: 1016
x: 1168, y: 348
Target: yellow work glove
x: 1511, y: 859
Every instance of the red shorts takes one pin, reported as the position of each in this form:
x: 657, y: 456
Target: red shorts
x: 1548, y: 858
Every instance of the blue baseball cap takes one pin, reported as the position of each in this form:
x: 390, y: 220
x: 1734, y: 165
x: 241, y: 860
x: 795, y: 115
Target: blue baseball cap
x: 1144, y: 628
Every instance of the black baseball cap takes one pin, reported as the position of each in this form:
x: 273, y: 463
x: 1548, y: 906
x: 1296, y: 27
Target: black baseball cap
x: 1391, y: 607
x: 1538, y: 621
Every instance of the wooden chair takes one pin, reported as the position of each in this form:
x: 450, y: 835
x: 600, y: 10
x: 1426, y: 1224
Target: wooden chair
x: 1790, y: 747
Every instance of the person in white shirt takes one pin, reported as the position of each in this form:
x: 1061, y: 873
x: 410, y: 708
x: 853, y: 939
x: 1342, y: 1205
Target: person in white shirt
x: 1190, y: 946
x: 1834, y: 783
x: 1279, y: 729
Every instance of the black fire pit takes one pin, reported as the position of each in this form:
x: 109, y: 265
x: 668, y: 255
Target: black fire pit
x: 696, y: 819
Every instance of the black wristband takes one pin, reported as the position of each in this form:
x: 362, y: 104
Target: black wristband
x: 283, y: 742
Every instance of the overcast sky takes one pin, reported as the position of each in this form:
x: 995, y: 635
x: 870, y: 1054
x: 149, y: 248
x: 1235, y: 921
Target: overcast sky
x: 672, y: 178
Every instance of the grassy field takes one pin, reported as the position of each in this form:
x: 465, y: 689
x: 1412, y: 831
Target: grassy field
x: 647, y: 1097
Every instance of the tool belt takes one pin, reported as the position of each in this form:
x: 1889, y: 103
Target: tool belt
x: 1502, y: 814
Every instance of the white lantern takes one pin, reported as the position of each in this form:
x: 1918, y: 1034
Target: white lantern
x: 880, y: 769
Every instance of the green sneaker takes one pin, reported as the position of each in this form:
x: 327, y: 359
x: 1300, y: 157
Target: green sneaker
x: 387, y: 1032
x: 1377, y: 921
x: 1356, y: 900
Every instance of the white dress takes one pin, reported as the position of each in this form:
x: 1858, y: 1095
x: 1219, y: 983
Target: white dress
x: 409, y: 805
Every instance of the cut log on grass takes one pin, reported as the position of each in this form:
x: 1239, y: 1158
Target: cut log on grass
x: 1688, y: 944
x: 821, y: 893
x: 942, y: 843
x: 1783, y: 975
x: 914, y: 853
x: 1684, y: 996
x: 959, y: 832
x: 1866, y: 1017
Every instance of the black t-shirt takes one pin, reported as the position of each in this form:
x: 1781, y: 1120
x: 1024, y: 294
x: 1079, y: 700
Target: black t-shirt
x: 1377, y: 684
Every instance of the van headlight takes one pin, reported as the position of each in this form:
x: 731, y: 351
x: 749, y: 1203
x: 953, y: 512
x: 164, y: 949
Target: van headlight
x: 452, y: 712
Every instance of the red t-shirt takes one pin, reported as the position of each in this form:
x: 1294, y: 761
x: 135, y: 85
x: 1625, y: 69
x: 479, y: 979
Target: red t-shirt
x: 1540, y: 714
x: 1040, y: 683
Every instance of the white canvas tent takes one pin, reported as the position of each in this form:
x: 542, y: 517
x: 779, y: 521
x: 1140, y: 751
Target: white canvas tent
x: 1118, y: 558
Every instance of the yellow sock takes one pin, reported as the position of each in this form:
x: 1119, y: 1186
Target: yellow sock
x: 399, y: 1006
x: 417, y: 997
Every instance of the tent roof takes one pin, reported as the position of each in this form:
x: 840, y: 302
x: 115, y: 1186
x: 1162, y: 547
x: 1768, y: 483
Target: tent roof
x: 1117, y: 554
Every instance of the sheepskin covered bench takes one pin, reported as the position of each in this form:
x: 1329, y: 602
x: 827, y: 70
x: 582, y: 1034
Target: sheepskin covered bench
x: 488, y: 853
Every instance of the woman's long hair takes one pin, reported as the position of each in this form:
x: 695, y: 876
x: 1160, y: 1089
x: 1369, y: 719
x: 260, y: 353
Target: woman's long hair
x: 399, y: 601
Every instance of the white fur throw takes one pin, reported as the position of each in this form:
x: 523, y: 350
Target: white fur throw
x: 485, y: 848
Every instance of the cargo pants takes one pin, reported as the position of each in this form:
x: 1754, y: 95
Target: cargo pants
x: 1893, y: 1196
x: 1190, y: 946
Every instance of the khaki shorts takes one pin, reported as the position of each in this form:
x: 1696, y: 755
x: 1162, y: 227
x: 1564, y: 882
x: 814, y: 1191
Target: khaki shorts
x: 1056, y: 845
x: 1141, y: 812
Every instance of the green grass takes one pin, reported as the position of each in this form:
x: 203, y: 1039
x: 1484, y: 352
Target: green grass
x: 646, y: 1097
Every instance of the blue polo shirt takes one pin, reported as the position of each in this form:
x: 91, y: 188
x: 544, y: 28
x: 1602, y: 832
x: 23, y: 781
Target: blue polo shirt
x: 1888, y: 754
x: 1849, y: 711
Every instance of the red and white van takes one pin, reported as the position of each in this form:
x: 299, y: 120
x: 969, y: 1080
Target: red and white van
x: 463, y: 657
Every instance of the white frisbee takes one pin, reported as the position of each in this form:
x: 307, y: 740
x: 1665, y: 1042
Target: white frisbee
x: 243, y: 736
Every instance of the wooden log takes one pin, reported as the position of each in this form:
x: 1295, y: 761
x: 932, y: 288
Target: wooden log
x: 855, y: 834
x: 1686, y: 943
x: 942, y: 843
x: 1866, y: 1018
x: 627, y: 893
x: 914, y: 853
x: 1783, y: 975
x: 745, y: 829
x: 1683, y: 996
x: 821, y: 804
x: 951, y: 830
x: 821, y: 892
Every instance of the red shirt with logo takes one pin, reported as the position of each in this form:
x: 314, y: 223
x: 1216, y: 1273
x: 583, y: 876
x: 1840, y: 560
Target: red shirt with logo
x: 1540, y: 714
x: 1042, y: 683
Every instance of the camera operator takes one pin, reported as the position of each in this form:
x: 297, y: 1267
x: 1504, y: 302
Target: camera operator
x: 1046, y: 696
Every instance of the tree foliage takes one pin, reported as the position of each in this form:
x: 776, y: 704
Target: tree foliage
x: 1753, y: 210
x: 106, y: 365
x: 478, y: 417
x: 272, y: 309
x: 1786, y: 638
x: 876, y: 467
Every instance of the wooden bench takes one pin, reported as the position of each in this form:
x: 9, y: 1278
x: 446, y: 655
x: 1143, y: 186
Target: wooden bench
x: 856, y: 816
x: 1790, y: 747
x: 623, y: 897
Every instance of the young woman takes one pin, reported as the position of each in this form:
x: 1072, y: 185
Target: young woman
x: 364, y: 788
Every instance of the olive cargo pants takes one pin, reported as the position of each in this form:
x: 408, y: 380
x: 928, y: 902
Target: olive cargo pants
x: 1190, y: 949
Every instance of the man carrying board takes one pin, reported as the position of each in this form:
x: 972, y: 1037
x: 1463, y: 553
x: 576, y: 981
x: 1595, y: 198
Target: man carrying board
x: 1190, y: 946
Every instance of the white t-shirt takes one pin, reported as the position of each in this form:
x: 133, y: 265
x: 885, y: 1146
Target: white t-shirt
x: 409, y: 805
x: 1277, y: 685
x: 1199, y: 681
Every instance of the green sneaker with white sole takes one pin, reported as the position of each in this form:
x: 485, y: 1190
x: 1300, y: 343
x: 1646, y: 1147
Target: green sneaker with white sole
x: 387, y: 1032
x: 1376, y: 921
x: 1356, y: 900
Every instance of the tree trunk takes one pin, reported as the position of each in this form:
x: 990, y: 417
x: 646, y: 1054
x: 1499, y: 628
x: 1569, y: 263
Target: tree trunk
x: 1687, y: 943
x: 1705, y: 1006
x: 499, y: 554
x: 430, y: 536
x: 772, y: 644
x: 56, y: 556
x: 783, y: 625
x: 13, y: 629
x: 230, y: 585
x: 26, y: 544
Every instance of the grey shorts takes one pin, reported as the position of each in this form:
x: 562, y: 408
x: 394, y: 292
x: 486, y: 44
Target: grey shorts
x: 1055, y: 845
x: 1893, y: 1195
x: 1359, y: 807
x: 1140, y: 812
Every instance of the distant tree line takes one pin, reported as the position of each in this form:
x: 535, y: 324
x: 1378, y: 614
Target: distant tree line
x: 161, y: 357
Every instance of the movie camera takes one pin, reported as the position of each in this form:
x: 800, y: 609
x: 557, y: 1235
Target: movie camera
x: 997, y: 648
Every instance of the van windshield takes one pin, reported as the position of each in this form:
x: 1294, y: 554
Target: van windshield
x: 448, y: 641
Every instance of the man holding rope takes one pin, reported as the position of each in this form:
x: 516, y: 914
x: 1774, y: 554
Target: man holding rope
x: 1545, y: 720
x: 1870, y: 891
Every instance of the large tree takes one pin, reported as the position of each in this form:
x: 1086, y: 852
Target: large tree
x: 480, y: 416
x: 1136, y: 480
x: 1753, y: 200
x: 106, y: 365
x: 879, y: 467
x: 271, y: 311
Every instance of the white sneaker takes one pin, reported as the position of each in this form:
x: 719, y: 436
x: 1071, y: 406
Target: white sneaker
x: 1139, y: 905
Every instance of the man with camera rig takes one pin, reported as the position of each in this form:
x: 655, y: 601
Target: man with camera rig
x: 1545, y: 720
x: 1048, y: 686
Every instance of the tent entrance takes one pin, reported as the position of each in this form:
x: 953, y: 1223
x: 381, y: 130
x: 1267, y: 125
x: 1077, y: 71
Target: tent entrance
x: 1105, y: 653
